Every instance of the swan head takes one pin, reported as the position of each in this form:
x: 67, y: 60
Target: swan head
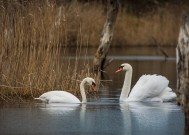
x: 124, y: 67
x: 91, y: 82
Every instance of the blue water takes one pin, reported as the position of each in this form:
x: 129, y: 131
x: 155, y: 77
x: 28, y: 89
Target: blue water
x: 107, y: 117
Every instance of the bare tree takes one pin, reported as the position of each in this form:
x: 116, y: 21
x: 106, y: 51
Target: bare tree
x: 183, y: 69
x: 107, y: 34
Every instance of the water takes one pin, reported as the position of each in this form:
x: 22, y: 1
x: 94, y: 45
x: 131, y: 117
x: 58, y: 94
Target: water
x: 102, y: 118
x: 103, y: 114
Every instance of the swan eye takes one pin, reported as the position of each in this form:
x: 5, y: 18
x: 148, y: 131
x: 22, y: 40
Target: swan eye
x: 121, y: 67
x: 93, y: 86
x: 93, y: 83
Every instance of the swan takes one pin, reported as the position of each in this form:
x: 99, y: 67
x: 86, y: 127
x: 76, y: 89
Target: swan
x: 148, y: 87
x: 58, y: 96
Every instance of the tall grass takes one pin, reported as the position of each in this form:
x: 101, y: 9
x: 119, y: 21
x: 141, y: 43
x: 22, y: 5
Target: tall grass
x: 34, y: 42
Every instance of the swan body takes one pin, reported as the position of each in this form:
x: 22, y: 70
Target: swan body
x: 148, y: 87
x: 58, y: 96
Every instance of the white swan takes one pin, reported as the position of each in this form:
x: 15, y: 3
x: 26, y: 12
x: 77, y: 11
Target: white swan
x: 66, y: 97
x: 148, y: 88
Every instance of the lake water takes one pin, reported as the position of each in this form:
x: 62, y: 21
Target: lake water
x: 105, y: 117
x: 103, y: 114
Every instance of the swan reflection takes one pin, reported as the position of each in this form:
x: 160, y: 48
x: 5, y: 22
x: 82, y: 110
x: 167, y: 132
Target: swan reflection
x: 59, y: 109
x: 147, y: 117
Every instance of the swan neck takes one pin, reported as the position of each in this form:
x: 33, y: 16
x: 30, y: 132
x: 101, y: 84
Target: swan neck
x: 82, y: 91
x: 127, y: 85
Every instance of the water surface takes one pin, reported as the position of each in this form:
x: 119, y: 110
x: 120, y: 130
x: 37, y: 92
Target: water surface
x: 103, y: 114
x: 104, y: 118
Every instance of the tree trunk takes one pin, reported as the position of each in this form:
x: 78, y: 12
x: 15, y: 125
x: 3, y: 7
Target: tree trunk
x: 183, y: 70
x: 107, y: 34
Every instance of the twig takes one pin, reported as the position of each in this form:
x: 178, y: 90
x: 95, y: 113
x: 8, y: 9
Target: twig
x: 106, y: 80
x: 4, y: 98
x: 12, y: 87
x: 160, y: 48
x: 108, y: 63
x: 30, y: 87
x: 76, y: 80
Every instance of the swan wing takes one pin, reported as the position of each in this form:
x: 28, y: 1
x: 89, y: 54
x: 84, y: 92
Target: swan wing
x: 148, y: 87
x: 58, y: 97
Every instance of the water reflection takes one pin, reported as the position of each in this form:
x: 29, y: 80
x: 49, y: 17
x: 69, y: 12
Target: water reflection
x: 153, y: 118
x: 57, y: 108
x: 102, y: 118
x: 83, y: 119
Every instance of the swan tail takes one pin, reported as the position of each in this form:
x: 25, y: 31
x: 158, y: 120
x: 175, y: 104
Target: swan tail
x: 40, y: 99
x: 168, y: 95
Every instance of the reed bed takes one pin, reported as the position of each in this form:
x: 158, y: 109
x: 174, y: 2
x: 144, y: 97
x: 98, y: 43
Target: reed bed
x: 34, y: 44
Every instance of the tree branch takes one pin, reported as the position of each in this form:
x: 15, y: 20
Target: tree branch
x: 107, y: 34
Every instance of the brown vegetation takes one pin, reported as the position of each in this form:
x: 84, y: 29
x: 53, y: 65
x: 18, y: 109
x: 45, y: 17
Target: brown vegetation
x: 162, y: 25
x: 88, y: 19
x: 32, y: 58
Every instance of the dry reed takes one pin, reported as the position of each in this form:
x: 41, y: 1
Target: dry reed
x: 34, y: 44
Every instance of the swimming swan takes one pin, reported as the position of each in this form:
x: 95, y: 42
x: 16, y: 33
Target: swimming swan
x: 58, y: 96
x: 148, y: 88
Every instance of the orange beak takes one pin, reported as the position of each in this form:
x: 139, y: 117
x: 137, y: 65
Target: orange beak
x: 119, y: 70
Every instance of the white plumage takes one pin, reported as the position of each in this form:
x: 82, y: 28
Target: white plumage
x: 58, y: 96
x: 148, y: 87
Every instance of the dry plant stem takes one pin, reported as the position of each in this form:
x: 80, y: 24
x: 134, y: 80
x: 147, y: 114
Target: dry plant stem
x: 108, y: 63
x: 160, y: 48
x: 34, y: 42
x: 183, y: 70
x: 107, y: 36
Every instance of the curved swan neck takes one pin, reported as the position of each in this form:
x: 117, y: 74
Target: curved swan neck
x: 127, y: 85
x: 82, y: 91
